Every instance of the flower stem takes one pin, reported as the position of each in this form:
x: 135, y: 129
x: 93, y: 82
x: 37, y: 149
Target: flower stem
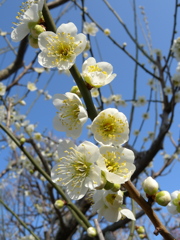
x: 92, y: 113
x: 159, y: 227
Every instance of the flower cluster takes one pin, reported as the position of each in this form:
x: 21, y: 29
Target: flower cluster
x: 86, y: 167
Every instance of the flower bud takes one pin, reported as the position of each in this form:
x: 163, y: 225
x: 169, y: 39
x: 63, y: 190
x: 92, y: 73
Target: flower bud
x: 107, y: 32
x: 36, y: 30
x: 115, y: 187
x: 22, y: 140
x: 75, y: 90
x: 163, y: 198
x: 33, y: 42
x: 91, y: 232
x: 140, y: 229
x: 150, y: 186
x: 59, y: 203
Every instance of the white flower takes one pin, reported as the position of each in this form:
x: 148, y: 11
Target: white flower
x: 167, y: 90
x: 174, y: 206
x: 108, y: 204
x: 30, y: 128
x: 176, y: 48
x: 77, y: 170
x: 90, y: 28
x: 117, y: 163
x: 152, y: 83
x: 61, y: 48
x: 27, y: 19
x: 107, y: 32
x: 31, y: 86
x: 140, y: 101
x: 176, y: 79
x: 110, y: 127
x: 71, y: 116
x: 2, y: 89
x: 177, y: 97
x: 94, y: 92
x: 97, y: 74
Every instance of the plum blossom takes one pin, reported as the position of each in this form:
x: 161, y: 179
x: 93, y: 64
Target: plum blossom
x: 31, y: 86
x: 117, y: 163
x: 97, y: 74
x: 61, y: 48
x: 90, y: 28
x: 2, y: 89
x: 28, y: 19
x: 176, y: 48
x: 174, y: 206
x: 110, y: 127
x: 71, y: 116
x: 76, y: 169
x: 109, y: 205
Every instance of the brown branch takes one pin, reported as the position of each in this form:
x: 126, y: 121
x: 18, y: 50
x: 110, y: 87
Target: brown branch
x: 159, y: 227
x: 18, y: 63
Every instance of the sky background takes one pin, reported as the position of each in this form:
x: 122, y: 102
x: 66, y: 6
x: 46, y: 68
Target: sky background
x: 160, y: 21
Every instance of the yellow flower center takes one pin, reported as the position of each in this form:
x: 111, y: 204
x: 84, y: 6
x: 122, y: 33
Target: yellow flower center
x: 95, y: 68
x: 61, y: 47
x: 69, y: 112
x: 112, y: 163
x: 110, y: 127
x: 76, y: 166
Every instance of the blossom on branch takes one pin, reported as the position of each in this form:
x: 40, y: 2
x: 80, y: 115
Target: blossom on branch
x: 109, y: 205
x: 174, y: 206
x: 90, y: 28
x: 110, y: 127
x: 61, y: 48
x: 76, y: 169
x: 117, y: 163
x: 71, y: 116
x: 28, y: 19
x: 97, y: 74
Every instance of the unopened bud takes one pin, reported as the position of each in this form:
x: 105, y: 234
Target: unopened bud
x: 115, y: 187
x: 140, y: 229
x: 59, y: 203
x: 22, y: 140
x: 91, y: 232
x: 163, y: 198
x: 142, y: 236
x: 33, y: 42
x: 36, y: 30
x: 75, y: 90
x: 150, y: 186
x: 107, y: 32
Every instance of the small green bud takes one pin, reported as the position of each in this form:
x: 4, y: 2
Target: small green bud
x: 33, y: 42
x: 108, y: 185
x: 142, y: 236
x: 22, y: 140
x: 150, y: 186
x: 91, y: 232
x: 75, y: 90
x: 36, y: 30
x: 59, y: 203
x: 140, y: 229
x: 115, y: 187
x: 163, y: 198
